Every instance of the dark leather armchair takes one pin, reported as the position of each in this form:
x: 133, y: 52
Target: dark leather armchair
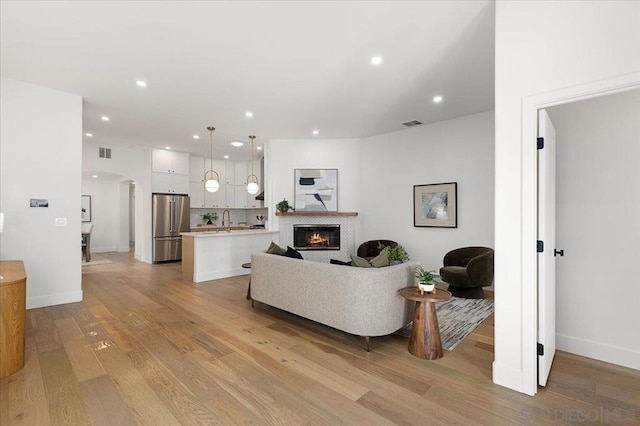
x: 371, y: 249
x: 467, y: 270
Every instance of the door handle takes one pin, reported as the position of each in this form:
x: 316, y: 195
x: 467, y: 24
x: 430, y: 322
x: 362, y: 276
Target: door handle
x: 557, y: 252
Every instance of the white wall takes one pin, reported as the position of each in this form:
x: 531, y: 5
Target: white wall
x: 134, y: 164
x: 282, y: 157
x: 458, y: 150
x: 540, y: 47
x: 598, y: 206
x: 40, y: 146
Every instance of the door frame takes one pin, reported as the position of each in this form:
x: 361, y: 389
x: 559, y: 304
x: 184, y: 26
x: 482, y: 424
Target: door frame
x: 529, y: 204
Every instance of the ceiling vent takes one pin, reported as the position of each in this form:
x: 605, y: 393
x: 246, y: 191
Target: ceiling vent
x: 412, y: 123
x: 105, y: 153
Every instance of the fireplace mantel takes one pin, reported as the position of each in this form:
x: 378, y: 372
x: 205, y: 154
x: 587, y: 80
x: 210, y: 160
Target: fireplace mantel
x: 323, y: 214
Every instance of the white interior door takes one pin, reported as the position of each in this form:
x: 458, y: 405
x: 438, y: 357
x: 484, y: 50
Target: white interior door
x: 546, y: 259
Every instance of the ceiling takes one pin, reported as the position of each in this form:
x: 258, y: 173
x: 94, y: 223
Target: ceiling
x: 298, y: 66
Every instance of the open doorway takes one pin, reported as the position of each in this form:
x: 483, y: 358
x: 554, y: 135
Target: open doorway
x: 598, y: 203
x: 112, y: 211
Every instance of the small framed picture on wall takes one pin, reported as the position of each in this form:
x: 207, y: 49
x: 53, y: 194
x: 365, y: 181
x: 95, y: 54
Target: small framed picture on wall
x: 435, y: 205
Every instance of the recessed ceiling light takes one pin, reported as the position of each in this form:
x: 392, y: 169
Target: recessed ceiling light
x: 259, y: 148
x: 437, y: 99
x: 196, y: 136
x: 237, y: 144
x: 315, y: 132
x: 226, y: 157
x: 248, y: 114
x: 89, y: 135
x: 94, y: 176
x: 376, y: 60
x: 167, y: 147
x: 104, y: 118
x: 141, y: 83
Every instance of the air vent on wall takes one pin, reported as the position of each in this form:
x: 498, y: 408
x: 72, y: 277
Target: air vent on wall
x: 105, y: 153
x: 412, y: 123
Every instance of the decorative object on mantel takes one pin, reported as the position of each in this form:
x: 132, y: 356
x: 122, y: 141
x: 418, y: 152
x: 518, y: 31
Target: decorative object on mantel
x: 210, y: 217
x: 211, y: 177
x: 252, y: 180
x: 283, y: 206
x: 435, y: 205
x: 426, y: 280
x: 316, y: 190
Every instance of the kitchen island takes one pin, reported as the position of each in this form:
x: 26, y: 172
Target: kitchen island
x: 210, y: 255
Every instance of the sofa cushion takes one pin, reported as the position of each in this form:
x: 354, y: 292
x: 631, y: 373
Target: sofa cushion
x: 293, y: 253
x: 275, y: 249
x: 360, y: 262
x: 380, y: 260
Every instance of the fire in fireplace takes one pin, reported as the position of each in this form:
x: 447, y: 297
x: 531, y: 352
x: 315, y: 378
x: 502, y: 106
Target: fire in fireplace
x: 316, y: 237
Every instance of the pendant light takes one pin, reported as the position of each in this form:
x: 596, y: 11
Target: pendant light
x: 252, y: 180
x: 211, y: 177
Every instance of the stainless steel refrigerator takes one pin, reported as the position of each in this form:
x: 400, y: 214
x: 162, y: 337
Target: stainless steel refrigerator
x: 170, y: 218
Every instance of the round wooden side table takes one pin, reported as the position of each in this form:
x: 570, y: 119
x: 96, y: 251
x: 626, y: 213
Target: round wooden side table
x: 425, y: 335
x: 12, y: 316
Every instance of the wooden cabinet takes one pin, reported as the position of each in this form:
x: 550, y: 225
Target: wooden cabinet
x: 169, y: 183
x: 12, y: 316
x: 165, y: 161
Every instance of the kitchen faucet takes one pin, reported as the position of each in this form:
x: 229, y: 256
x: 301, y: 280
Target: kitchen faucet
x: 228, y: 221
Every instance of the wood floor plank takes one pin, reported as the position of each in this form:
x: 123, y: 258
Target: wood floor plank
x: 104, y: 402
x: 66, y: 405
x: 148, y: 347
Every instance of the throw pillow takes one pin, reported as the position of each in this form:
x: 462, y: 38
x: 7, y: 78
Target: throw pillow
x: 339, y: 262
x: 360, y: 262
x: 293, y: 253
x: 275, y: 249
x: 380, y: 260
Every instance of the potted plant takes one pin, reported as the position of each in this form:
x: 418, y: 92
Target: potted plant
x: 210, y: 217
x: 397, y: 254
x: 426, y: 279
x: 283, y: 206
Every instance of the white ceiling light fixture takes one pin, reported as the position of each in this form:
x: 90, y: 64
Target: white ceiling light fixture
x: 252, y: 180
x: 248, y: 114
x: 437, y: 99
x: 196, y: 136
x: 237, y: 144
x: 315, y: 132
x: 226, y: 157
x: 376, y: 60
x: 89, y: 135
x: 211, y: 177
x: 94, y: 176
x: 104, y: 118
x: 259, y: 148
x: 141, y: 83
x: 167, y: 147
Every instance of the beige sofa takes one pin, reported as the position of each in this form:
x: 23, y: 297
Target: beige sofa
x: 361, y: 301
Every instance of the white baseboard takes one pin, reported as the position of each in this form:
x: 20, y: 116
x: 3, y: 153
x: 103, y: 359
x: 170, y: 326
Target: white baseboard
x: 600, y: 351
x: 103, y: 249
x: 208, y: 276
x: 54, y: 299
x: 125, y: 249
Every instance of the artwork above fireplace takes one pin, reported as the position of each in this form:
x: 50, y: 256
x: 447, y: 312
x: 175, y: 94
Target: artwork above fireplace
x: 316, y: 237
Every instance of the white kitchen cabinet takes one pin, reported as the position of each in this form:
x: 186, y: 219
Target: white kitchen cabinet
x: 196, y: 168
x: 223, y: 198
x: 165, y: 161
x: 220, y: 167
x: 169, y: 183
x: 196, y: 193
x: 244, y: 200
x: 240, y: 173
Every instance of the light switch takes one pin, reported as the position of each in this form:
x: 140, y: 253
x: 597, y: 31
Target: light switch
x: 61, y: 221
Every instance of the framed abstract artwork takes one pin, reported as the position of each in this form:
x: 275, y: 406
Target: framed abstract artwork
x: 316, y: 190
x: 86, y: 208
x: 435, y: 205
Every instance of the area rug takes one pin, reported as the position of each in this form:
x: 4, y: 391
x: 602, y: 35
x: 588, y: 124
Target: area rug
x: 96, y: 259
x: 457, y: 319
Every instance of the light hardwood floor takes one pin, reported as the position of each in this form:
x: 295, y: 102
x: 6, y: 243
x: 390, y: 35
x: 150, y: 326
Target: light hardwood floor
x: 146, y: 347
